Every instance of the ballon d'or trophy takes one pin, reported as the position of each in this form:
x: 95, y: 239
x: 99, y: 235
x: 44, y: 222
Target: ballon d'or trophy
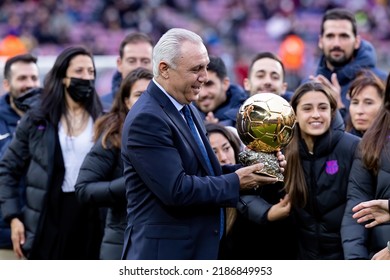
x: 265, y: 123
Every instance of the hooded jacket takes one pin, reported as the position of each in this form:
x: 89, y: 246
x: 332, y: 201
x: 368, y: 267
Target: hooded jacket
x: 364, y: 58
x: 326, y: 172
x: 8, y: 121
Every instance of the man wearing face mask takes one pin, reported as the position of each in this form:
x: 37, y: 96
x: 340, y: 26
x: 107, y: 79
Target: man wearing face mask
x: 28, y: 100
x: 21, y: 78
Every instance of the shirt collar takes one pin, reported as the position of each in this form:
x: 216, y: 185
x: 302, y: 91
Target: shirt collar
x: 173, y: 100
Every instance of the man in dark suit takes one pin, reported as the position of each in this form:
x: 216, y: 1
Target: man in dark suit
x: 174, y: 185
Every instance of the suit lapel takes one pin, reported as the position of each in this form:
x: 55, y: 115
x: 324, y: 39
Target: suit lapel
x: 182, y: 126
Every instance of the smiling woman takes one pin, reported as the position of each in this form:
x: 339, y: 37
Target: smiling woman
x: 319, y: 157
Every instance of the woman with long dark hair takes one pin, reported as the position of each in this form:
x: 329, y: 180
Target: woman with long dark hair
x: 49, y: 146
x: 319, y: 158
x: 369, y: 180
x: 100, y: 182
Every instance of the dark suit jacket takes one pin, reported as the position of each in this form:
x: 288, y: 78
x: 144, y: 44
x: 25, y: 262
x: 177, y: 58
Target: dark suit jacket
x: 173, y: 206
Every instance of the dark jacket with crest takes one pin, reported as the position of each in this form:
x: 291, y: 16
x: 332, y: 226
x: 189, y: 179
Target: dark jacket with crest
x: 326, y: 172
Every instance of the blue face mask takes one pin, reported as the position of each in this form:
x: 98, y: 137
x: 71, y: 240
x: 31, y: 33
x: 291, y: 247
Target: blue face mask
x: 81, y: 90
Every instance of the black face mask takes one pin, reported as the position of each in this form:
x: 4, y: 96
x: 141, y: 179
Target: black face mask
x: 28, y: 100
x: 81, y: 90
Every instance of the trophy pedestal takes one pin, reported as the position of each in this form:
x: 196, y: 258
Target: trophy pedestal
x: 270, y: 161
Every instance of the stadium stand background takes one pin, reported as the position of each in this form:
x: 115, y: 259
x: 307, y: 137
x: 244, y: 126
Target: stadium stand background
x: 232, y: 29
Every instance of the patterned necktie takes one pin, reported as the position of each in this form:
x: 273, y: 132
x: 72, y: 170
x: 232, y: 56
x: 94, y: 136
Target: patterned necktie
x: 187, y: 114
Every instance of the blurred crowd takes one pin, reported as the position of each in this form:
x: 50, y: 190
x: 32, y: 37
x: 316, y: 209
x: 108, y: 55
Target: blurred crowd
x: 220, y: 106
x: 233, y: 29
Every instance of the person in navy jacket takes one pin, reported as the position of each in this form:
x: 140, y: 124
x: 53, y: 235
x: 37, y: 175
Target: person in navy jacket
x: 174, y: 198
x: 344, y: 54
x: 21, y: 74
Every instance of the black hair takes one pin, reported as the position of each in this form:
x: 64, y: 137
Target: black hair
x: 229, y: 135
x: 133, y: 38
x: 217, y: 66
x: 26, y: 58
x: 53, y: 97
x: 270, y: 55
x: 339, y: 14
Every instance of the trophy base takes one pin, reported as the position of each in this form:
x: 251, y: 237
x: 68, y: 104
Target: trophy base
x: 270, y: 161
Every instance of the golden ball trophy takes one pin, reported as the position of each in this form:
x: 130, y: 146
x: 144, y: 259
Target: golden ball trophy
x: 265, y: 123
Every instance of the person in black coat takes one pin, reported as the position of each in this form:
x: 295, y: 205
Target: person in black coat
x: 49, y: 145
x: 100, y: 182
x: 320, y: 156
x: 372, y: 213
x: 21, y: 75
x: 369, y: 179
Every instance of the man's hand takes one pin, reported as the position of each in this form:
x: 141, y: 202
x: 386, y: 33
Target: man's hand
x: 210, y: 118
x: 17, y: 236
x: 376, y: 210
x: 334, y: 85
x: 249, y: 179
x: 280, y: 210
x: 383, y: 254
x: 282, y: 160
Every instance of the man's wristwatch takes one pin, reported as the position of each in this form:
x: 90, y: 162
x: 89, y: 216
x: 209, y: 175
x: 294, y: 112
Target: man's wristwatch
x: 388, y: 246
